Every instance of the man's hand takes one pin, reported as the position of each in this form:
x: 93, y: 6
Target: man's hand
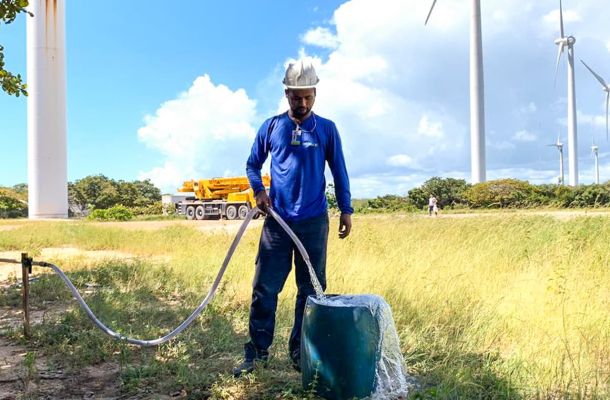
x: 263, y: 202
x: 345, y: 225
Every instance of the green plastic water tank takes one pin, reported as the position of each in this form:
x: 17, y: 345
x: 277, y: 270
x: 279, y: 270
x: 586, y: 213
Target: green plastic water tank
x: 340, y: 345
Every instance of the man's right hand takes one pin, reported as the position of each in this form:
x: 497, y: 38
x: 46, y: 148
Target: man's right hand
x: 263, y: 202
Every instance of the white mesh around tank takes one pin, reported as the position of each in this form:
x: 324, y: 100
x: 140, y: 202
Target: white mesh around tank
x: 391, y: 379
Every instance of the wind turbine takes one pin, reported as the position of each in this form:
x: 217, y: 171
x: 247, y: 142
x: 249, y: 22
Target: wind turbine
x: 594, y: 150
x: 606, y: 88
x: 568, y: 42
x: 477, y: 107
x: 559, y: 146
x: 47, y: 148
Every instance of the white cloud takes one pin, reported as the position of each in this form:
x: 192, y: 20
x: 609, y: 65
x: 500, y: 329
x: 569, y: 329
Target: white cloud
x: 200, y: 134
x: 592, y: 120
x: 400, y: 160
x: 552, y: 18
x: 321, y: 37
x: 524, y: 136
x: 430, y: 129
x: 399, y: 94
x: 534, y: 176
x: 392, y: 96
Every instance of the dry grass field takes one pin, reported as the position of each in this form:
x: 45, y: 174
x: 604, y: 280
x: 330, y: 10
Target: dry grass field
x: 491, y: 306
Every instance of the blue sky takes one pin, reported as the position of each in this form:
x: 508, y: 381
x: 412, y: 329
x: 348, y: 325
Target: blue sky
x: 173, y: 94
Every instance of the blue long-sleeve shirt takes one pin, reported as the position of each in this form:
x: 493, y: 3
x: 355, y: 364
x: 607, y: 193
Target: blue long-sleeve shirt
x: 298, y: 185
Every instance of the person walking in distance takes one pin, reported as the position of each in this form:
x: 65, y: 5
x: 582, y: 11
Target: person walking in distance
x: 432, y: 208
x: 300, y: 144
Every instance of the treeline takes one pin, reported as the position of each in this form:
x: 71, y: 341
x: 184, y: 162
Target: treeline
x: 95, y: 195
x: 14, y: 201
x: 103, y: 198
x: 98, y: 192
x: 502, y: 193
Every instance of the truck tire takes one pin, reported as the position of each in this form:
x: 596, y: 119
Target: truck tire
x: 242, y: 211
x: 199, y: 213
x: 190, y: 212
x: 231, y: 212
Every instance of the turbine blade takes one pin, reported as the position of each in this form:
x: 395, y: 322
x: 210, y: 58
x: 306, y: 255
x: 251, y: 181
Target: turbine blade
x: 597, y: 76
x: 430, y: 12
x: 561, y: 19
x: 559, y: 52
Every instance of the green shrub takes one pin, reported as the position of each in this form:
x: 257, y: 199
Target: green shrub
x: 504, y: 193
x: 387, y: 203
x: 591, y: 196
x: 114, y: 213
x: 12, y: 205
x: 155, y: 208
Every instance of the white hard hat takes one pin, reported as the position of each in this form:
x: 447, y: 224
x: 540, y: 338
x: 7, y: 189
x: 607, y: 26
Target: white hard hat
x: 300, y: 75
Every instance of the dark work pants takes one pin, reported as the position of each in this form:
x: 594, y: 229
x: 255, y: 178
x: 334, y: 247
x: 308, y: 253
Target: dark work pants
x: 273, y: 264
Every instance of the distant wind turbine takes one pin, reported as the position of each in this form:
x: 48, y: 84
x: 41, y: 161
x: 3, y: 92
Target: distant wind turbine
x: 568, y: 42
x: 559, y: 146
x: 606, y: 88
x: 477, y: 107
x: 594, y: 150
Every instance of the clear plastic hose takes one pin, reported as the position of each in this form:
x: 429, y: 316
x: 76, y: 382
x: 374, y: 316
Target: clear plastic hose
x: 206, y: 300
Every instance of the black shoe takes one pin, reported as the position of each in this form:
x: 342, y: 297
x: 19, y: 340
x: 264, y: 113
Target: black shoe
x: 252, y: 358
x: 246, y: 367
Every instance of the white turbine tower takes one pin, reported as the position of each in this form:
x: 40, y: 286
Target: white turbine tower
x: 605, y: 87
x: 47, y: 165
x: 477, y: 97
x: 568, y: 42
x: 559, y: 147
x: 594, y: 150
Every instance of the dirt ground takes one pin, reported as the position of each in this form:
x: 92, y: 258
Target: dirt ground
x: 25, y: 373
x: 34, y: 377
x: 216, y: 226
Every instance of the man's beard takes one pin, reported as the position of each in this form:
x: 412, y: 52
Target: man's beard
x: 300, y: 112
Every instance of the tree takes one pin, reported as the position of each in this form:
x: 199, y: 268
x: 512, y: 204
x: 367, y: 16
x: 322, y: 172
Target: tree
x: 418, y: 198
x: 97, y: 191
x: 12, y: 204
x: 100, y: 192
x: 448, y: 191
x: 502, y: 193
x: 138, y: 193
x: 11, y: 84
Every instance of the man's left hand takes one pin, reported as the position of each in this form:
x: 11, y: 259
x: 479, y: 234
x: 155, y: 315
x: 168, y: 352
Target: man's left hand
x: 345, y: 225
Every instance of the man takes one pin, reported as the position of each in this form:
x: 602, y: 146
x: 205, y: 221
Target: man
x: 300, y: 143
x: 432, y: 205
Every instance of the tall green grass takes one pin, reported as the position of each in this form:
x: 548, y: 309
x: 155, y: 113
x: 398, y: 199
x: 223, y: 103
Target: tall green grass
x: 502, y: 306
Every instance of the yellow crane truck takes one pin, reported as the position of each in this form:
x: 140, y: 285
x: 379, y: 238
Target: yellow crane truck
x: 230, y: 198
